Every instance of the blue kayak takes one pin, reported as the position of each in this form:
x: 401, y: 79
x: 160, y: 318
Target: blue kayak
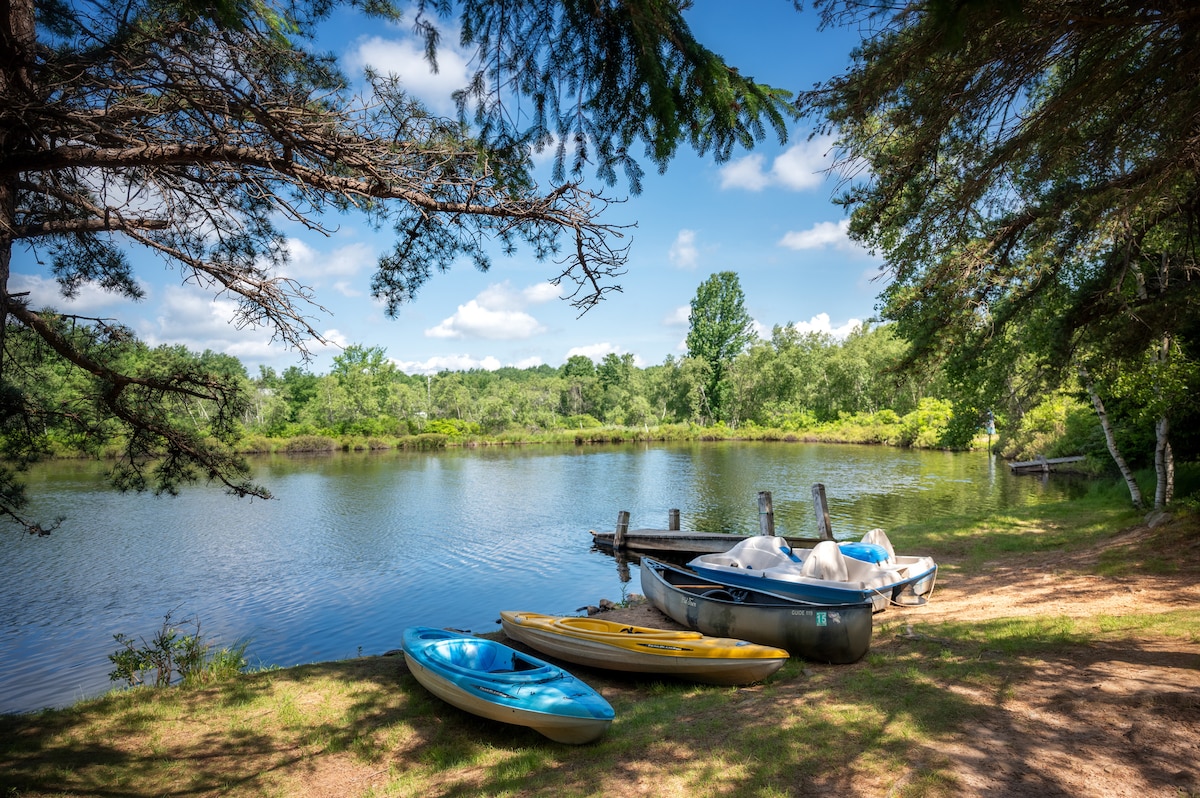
x: 493, y: 681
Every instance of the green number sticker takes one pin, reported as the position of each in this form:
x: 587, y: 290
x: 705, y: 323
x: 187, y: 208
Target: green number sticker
x: 822, y: 619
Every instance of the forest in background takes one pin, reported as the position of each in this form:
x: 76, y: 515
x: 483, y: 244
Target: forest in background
x: 797, y: 386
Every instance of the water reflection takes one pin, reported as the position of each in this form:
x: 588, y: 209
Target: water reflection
x: 356, y: 547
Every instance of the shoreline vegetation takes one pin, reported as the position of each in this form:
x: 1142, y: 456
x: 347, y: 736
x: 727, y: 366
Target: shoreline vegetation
x: 1060, y: 657
x: 881, y: 429
x: 888, y: 431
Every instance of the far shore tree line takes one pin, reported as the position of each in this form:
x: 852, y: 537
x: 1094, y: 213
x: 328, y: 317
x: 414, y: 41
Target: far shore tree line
x: 731, y: 384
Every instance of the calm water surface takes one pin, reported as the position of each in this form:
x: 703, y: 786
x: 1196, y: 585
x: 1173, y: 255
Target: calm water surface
x: 356, y: 547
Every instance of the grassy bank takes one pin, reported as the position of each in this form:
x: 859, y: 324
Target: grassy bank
x: 883, y: 428
x: 884, y: 726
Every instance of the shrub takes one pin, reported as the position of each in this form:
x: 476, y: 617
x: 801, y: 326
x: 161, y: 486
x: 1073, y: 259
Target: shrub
x: 310, y: 443
x: 1058, y: 426
x: 926, y: 426
x: 256, y: 444
x: 583, y: 421
x: 453, y: 427
x: 171, y: 655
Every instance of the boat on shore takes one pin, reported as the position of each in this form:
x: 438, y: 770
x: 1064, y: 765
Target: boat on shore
x: 868, y: 570
x: 600, y: 643
x: 489, y: 679
x: 833, y: 633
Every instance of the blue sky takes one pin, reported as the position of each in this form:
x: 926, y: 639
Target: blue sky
x: 766, y: 214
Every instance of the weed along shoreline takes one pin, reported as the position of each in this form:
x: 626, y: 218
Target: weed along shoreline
x: 1060, y: 655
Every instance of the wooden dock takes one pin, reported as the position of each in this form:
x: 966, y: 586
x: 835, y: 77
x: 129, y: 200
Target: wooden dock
x: 650, y: 541
x: 675, y: 542
x: 1043, y: 465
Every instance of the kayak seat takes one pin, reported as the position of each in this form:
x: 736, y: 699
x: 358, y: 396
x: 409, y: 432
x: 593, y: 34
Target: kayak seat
x: 867, y: 552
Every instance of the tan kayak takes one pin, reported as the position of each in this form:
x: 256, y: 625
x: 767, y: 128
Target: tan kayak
x: 612, y: 645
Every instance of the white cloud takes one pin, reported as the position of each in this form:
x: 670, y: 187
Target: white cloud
x: 745, y: 173
x: 496, y: 314
x: 306, y: 263
x: 820, y: 235
x: 440, y: 363
x: 531, y: 362
x: 405, y: 58
x: 89, y: 297
x: 336, y: 338
x: 199, y: 322
x: 594, y: 351
x: 679, y: 317
x: 820, y: 323
x: 473, y: 320
x: 541, y: 293
x: 801, y: 167
x: 683, y: 252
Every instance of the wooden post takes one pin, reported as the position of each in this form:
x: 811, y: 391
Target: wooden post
x: 766, y: 514
x: 673, y: 521
x: 622, y: 528
x: 821, y: 508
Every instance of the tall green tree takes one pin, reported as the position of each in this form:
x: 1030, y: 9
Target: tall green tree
x: 719, y: 329
x: 1031, y: 163
x: 189, y: 129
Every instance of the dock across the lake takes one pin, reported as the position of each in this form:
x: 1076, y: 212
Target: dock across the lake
x: 1044, y: 465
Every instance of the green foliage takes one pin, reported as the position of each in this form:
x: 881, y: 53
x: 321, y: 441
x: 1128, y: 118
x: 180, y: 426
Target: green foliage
x: 791, y: 420
x: 424, y: 442
x: 926, y: 426
x: 172, y: 655
x: 1032, y: 198
x: 452, y: 427
x: 581, y: 422
x: 720, y: 329
x: 1059, y: 426
x: 303, y: 444
x: 632, y: 72
x: 224, y: 112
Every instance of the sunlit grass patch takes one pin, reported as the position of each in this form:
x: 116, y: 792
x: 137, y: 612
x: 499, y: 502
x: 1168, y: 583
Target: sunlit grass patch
x: 966, y: 544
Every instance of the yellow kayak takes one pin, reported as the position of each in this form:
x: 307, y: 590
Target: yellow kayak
x: 617, y: 646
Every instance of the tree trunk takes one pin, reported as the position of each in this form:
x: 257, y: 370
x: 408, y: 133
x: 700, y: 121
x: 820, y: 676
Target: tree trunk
x: 1135, y: 493
x: 1164, y: 464
x: 17, y: 39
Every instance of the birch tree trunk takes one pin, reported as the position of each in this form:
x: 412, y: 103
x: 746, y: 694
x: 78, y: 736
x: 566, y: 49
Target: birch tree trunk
x: 1135, y: 493
x: 1164, y: 464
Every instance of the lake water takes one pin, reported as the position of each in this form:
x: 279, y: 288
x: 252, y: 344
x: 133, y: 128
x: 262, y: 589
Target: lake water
x: 355, y: 547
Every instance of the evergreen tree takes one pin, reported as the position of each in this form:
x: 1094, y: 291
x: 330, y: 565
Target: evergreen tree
x: 188, y: 129
x: 1033, y: 164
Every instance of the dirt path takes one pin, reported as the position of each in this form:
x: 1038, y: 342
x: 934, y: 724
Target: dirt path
x: 1117, y: 719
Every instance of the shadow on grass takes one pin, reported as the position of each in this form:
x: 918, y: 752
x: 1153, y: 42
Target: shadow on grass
x: 231, y: 737
x: 1121, y: 705
x: 878, y: 726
